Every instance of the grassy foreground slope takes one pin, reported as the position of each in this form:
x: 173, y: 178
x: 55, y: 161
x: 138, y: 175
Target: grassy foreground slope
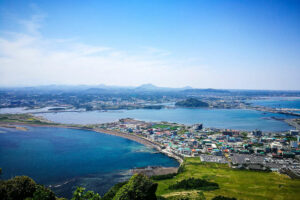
x: 241, y: 184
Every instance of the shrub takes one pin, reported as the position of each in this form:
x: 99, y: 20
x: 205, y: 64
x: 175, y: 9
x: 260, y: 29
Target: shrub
x: 113, y: 191
x: 163, y: 177
x: 192, y: 183
x: 43, y: 193
x: 181, y: 169
x: 223, y: 198
x: 139, y: 187
x: 81, y: 194
x: 19, y: 187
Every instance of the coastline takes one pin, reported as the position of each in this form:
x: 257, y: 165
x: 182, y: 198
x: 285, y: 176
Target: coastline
x: 140, y: 140
x: 133, y: 137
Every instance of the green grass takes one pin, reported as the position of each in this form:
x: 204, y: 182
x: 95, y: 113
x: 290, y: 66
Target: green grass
x: 241, y: 184
x: 165, y: 126
x: 21, y: 118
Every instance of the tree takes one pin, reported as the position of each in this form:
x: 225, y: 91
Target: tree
x: 43, y: 193
x: 81, y: 194
x: 19, y: 187
x: 113, y: 190
x: 139, y: 187
x: 23, y: 187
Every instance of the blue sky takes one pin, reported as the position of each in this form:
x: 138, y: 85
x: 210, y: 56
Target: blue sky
x: 204, y: 44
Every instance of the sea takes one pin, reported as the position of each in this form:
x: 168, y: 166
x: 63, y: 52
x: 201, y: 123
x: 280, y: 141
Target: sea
x: 63, y: 158
x: 239, y: 119
x: 278, y: 102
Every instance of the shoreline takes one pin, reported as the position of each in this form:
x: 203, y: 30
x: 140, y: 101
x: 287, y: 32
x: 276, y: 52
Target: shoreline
x: 132, y: 137
x: 140, y: 140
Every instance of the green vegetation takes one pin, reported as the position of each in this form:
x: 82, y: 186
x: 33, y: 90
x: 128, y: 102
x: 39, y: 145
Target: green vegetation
x: 139, y: 187
x: 23, y: 187
x: 112, y: 192
x: 194, y: 183
x: 153, y: 107
x: 165, y: 126
x: 192, y: 103
x: 223, y: 198
x: 163, y: 177
x: 244, y: 135
x: 42, y: 193
x: 21, y: 118
x: 195, y: 180
x: 81, y: 194
x: 240, y: 184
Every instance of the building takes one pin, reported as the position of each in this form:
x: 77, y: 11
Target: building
x: 294, y: 144
x: 257, y: 133
x: 275, y: 146
x: 294, y: 132
x: 197, y: 127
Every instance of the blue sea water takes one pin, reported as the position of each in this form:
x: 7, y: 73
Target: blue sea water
x: 65, y: 158
x: 278, y: 102
x: 240, y: 119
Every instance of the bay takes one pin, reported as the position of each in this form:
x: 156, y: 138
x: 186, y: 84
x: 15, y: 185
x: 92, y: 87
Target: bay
x: 65, y: 158
x: 240, y: 119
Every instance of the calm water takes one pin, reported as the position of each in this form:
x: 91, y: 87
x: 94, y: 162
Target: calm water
x: 279, y: 102
x: 68, y: 157
x: 219, y: 118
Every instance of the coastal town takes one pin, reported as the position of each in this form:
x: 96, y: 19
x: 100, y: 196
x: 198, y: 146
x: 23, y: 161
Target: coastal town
x: 252, y: 150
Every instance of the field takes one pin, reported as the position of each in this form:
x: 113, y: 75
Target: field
x: 165, y: 126
x: 241, y: 184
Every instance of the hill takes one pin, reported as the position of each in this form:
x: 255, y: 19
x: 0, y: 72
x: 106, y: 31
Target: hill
x: 191, y: 103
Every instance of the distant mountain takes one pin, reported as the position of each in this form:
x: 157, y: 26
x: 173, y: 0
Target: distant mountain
x: 208, y: 90
x: 147, y: 87
x: 151, y: 87
x: 95, y: 91
x: 191, y: 103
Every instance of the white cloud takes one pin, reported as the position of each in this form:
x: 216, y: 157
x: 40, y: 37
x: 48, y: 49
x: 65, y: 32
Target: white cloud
x: 29, y: 58
x: 33, y: 60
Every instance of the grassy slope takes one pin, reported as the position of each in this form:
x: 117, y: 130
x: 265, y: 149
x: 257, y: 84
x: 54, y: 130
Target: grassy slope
x: 241, y: 184
x: 22, y: 118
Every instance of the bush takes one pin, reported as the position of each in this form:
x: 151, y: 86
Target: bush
x: 113, y: 191
x: 163, y: 177
x: 193, y: 183
x: 42, y: 193
x: 223, y: 198
x: 81, y: 194
x: 139, y: 187
x: 19, y: 187
x: 181, y: 169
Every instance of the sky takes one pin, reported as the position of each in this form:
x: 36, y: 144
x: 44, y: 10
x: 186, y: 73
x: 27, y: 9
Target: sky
x: 249, y: 44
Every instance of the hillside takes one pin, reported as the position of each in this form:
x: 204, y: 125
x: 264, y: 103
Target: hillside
x: 191, y: 103
x: 241, y: 184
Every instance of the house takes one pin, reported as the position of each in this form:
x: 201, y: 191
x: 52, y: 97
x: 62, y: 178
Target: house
x: 294, y: 132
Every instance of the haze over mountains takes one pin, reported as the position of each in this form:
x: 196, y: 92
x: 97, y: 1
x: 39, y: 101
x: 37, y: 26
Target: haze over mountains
x: 148, y: 88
